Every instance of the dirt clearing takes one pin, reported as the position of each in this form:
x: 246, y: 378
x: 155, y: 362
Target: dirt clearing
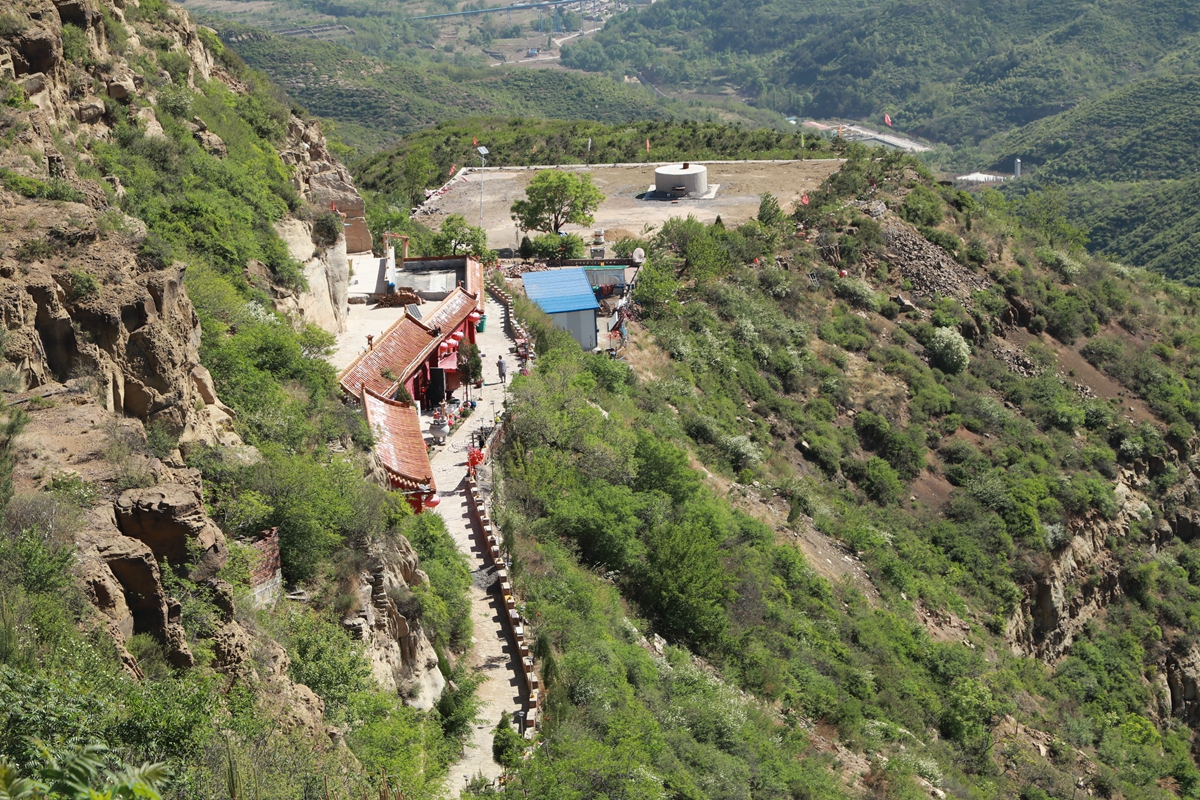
x: 736, y: 201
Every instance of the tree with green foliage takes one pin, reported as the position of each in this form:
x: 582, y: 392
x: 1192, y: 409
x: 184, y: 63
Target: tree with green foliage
x: 555, y: 198
x: 922, y: 206
x: 83, y: 775
x: 469, y: 365
x: 1045, y: 213
x: 769, y: 212
x: 507, y: 745
x: 458, y: 237
x: 553, y: 246
x: 416, y: 174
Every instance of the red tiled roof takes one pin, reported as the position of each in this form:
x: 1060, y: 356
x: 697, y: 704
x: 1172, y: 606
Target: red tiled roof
x: 399, y: 442
x: 404, y: 346
x: 452, y: 312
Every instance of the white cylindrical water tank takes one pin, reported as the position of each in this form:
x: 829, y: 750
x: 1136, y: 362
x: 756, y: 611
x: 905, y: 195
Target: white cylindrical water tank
x: 681, y: 179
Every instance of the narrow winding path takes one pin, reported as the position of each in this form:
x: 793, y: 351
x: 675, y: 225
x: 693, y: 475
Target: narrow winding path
x: 493, y: 654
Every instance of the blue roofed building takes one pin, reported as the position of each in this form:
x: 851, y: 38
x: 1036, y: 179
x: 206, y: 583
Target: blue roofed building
x: 567, y: 296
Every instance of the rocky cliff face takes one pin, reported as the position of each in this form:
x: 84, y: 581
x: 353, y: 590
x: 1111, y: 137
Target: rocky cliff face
x: 70, y: 108
x: 402, y: 657
x: 101, y: 328
x: 104, y: 314
x: 328, y: 188
x: 1080, y: 579
x: 75, y: 295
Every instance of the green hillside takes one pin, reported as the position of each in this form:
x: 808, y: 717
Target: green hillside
x: 971, y: 456
x: 953, y: 71
x: 390, y: 99
x: 1154, y: 224
x: 374, y: 102
x: 1128, y: 160
x: 1143, y: 131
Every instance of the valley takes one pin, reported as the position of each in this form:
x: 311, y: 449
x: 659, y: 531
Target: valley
x: 880, y: 487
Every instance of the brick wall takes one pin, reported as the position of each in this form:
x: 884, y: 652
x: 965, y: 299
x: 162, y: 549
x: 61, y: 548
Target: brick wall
x: 266, y: 563
x: 266, y: 577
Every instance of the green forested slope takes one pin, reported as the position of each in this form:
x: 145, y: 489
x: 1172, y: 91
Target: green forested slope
x: 829, y: 414
x: 1155, y: 224
x: 374, y: 102
x: 390, y: 99
x: 950, y: 70
x: 1144, y: 131
x: 1128, y: 160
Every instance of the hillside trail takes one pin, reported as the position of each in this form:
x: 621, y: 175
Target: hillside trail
x: 493, y: 654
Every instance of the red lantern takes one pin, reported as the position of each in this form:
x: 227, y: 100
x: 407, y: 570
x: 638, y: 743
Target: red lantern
x: 457, y: 336
x: 444, y: 348
x: 475, y: 316
x: 433, y: 501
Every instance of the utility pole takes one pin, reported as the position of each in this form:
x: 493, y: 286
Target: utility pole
x: 483, y: 154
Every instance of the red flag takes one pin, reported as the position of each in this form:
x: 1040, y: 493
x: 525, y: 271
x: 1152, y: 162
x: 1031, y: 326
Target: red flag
x: 647, y: 145
x: 804, y: 199
x: 476, y: 141
x: 453, y: 167
x: 887, y: 120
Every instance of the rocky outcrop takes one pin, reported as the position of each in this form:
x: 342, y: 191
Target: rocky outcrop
x: 122, y: 579
x: 33, y: 50
x: 327, y: 272
x: 931, y: 270
x: 171, y: 520
x: 1079, y: 580
x: 402, y: 657
x: 133, y: 329
x: 324, y: 182
x: 206, y: 138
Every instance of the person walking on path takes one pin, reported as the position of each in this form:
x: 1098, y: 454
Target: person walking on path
x: 502, y: 367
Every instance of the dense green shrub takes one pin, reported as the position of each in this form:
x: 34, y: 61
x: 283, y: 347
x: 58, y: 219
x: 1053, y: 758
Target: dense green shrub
x: 83, y: 285
x: 553, y: 246
x: 326, y: 230
x: 948, y: 350
x: 858, y: 292
x: 922, y: 207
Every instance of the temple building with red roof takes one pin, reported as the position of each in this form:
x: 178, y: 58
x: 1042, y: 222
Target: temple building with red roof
x: 418, y: 354
x: 400, y: 445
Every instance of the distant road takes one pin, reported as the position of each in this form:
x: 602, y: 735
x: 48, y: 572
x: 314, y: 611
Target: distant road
x: 894, y: 139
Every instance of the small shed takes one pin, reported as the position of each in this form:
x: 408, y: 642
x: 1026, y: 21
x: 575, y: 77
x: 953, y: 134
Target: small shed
x: 566, y: 295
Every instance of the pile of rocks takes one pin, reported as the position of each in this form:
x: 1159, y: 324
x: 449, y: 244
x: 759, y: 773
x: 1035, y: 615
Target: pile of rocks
x: 1085, y: 391
x: 1017, y: 361
x: 521, y: 267
x: 875, y: 209
x: 929, y: 268
x: 206, y: 138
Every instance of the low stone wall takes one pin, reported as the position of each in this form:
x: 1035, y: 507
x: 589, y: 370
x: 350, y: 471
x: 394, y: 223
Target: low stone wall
x: 489, y: 540
x: 512, y: 327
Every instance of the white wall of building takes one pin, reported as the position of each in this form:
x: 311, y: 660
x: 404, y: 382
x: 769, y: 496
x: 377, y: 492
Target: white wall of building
x: 580, y: 324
